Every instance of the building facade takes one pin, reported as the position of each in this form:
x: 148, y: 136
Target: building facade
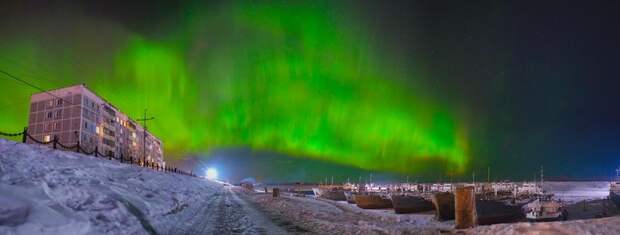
x: 76, y: 113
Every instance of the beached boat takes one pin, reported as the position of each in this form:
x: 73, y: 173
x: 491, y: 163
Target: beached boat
x: 545, y: 209
x: 498, y: 211
x: 350, y: 197
x: 614, y: 189
x: 372, y: 201
x: 334, y: 194
x: 614, y: 192
x: 410, y: 204
x: 444, y: 205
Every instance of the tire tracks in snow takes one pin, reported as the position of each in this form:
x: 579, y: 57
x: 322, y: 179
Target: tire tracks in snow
x: 223, y: 212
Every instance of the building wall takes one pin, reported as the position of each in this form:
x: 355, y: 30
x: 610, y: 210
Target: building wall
x: 75, y: 113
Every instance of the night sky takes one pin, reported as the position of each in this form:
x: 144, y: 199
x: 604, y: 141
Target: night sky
x: 295, y: 90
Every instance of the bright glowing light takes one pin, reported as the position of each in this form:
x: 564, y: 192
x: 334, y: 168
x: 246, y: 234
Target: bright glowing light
x: 211, y: 173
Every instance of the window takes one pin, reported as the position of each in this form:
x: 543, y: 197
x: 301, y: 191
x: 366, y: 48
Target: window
x: 46, y: 138
x: 58, y: 113
x: 97, y: 130
x: 85, y: 125
x: 59, y: 103
x: 49, y: 115
x: 57, y: 126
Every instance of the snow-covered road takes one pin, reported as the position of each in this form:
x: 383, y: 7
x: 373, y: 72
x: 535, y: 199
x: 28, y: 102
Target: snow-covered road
x: 226, y: 213
x: 43, y: 191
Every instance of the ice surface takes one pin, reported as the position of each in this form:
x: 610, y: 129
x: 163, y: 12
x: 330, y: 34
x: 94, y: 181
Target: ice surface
x: 575, y: 191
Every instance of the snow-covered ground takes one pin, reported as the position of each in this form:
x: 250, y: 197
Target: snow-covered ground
x: 330, y: 217
x: 43, y: 191
x: 609, y: 226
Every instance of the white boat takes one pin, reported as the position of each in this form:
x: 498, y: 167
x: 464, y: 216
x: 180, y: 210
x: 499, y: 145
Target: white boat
x: 545, y: 209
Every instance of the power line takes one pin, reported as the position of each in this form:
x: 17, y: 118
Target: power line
x: 32, y: 85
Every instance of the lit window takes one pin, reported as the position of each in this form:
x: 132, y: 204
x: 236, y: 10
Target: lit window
x: 133, y: 134
x: 46, y: 138
x: 97, y: 130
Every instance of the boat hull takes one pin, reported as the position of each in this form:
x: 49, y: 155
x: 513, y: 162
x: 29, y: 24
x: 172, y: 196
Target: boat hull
x: 336, y: 195
x: 444, y: 206
x: 404, y: 204
x: 614, y: 196
x: 350, y: 197
x: 372, y: 202
x: 495, y: 212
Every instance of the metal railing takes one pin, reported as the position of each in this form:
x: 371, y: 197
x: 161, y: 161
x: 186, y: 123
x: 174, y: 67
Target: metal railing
x: 95, y: 152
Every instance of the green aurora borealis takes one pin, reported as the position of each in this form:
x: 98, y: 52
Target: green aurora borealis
x: 298, y: 79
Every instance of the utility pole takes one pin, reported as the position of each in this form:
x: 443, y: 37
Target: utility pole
x: 144, y: 119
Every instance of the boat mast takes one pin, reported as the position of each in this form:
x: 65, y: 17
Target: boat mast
x: 541, y: 179
x: 488, y: 174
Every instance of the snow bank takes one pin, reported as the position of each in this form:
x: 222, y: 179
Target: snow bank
x: 44, y: 191
x: 330, y: 217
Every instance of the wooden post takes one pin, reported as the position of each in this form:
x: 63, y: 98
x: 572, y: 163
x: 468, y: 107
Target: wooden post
x: 77, y: 148
x: 25, y: 135
x: 465, y: 207
x: 275, y: 192
x: 55, y: 141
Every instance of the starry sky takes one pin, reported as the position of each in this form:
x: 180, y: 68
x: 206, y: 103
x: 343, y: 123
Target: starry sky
x: 295, y: 90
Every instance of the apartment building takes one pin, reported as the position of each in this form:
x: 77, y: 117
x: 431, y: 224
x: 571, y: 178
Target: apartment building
x: 76, y: 113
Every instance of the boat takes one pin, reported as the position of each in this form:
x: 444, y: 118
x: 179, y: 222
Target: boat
x: 404, y: 204
x: 350, y: 196
x: 333, y: 194
x: 545, y: 209
x: 614, y: 192
x: 494, y: 211
x: 444, y: 205
x: 614, y: 189
x: 372, y: 201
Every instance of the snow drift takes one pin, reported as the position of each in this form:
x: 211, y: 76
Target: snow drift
x: 44, y: 191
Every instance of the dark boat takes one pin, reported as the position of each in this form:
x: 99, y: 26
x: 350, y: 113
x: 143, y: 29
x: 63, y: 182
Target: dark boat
x: 336, y: 195
x: 410, y: 204
x: 372, y: 201
x: 444, y: 206
x: 614, y: 195
x: 497, y: 211
x: 614, y: 189
x: 350, y: 197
